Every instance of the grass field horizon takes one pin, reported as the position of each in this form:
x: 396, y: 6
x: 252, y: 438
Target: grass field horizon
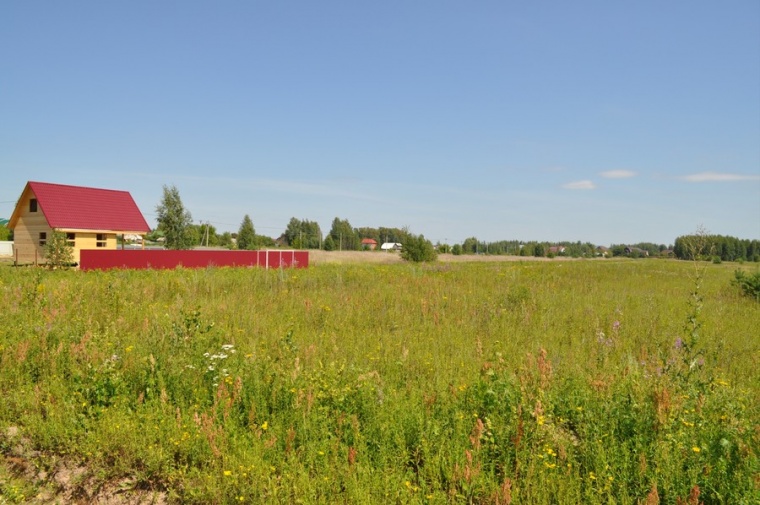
x: 588, y: 381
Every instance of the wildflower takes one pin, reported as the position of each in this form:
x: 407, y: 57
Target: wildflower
x: 265, y: 426
x: 592, y: 475
x: 130, y: 348
x: 678, y: 344
x: 696, y: 449
x: 227, y: 473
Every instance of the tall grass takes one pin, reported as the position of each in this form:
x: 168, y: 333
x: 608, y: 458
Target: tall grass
x: 567, y: 382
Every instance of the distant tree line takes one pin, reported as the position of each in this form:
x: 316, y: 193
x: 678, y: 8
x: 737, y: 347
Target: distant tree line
x: 725, y: 248
x: 178, y: 231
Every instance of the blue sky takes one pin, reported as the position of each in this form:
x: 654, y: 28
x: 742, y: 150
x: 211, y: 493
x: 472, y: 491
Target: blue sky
x: 606, y: 122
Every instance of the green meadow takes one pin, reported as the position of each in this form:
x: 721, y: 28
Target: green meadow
x: 558, y: 382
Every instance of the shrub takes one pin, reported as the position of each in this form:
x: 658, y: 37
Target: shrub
x: 749, y: 284
x: 417, y: 248
x: 58, y: 251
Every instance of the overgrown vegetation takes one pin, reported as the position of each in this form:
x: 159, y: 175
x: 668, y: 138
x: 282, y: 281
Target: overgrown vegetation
x: 418, y: 249
x: 749, y: 283
x: 58, y: 252
x: 547, y: 382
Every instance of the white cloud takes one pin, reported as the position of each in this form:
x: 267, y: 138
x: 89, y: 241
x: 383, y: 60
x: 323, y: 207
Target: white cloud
x: 719, y: 177
x: 580, y: 185
x: 618, y: 174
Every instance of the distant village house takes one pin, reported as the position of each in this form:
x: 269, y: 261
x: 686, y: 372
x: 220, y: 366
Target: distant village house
x: 390, y: 246
x: 369, y: 243
x: 91, y: 218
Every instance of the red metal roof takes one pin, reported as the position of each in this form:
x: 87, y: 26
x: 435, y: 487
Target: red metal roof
x: 81, y: 208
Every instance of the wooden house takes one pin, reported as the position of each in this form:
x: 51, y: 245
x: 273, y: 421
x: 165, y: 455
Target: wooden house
x: 91, y: 218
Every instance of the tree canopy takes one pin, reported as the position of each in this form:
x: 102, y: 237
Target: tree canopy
x: 418, y: 249
x: 303, y: 234
x: 246, y: 238
x: 342, y: 236
x: 174, y: 220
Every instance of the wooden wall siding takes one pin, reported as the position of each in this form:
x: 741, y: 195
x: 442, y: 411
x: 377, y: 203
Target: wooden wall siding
x: 26, y: 236
x: 89, y: 240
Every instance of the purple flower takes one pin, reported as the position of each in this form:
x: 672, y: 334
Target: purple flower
x: 678, y: 344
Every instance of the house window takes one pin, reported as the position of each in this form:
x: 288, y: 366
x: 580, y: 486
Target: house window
x: 33, y: 205
x: 100, y: 240
x: 71, y: 238
x: 43, y: 238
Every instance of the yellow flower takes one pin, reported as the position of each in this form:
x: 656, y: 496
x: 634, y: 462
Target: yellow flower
x: 265, y: 426
x: 227, y: 473
x: 696, y: 449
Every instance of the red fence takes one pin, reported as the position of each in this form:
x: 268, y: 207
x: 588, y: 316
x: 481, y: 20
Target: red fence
x: 98, y: 259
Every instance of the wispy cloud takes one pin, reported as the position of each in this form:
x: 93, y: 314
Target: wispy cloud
x: 580, y: 185
x: 719, y: 177
x: 617, y: 174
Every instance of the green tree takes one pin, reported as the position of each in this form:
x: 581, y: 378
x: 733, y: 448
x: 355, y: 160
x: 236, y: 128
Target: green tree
x: 470, y: 245
x: 207, y: 235
x: 5, y: 233
x: 225, y: 240
x: 456, y: 250
x: 174, y: 220
x: 58, y: 252
x: 303, y: 234
x: 344, y: 236
x: 246, y: 238
x: 417, y: 248
x: 330, y: 244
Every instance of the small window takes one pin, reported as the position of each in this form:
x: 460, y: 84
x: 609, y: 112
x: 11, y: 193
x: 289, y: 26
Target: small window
x: 100, y: 240
x: 43, y: 238
x: 33, y: 205
x: 71, y: 238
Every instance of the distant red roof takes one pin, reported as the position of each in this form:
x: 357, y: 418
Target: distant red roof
x: 369, y: 241
x: 81, y: 208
